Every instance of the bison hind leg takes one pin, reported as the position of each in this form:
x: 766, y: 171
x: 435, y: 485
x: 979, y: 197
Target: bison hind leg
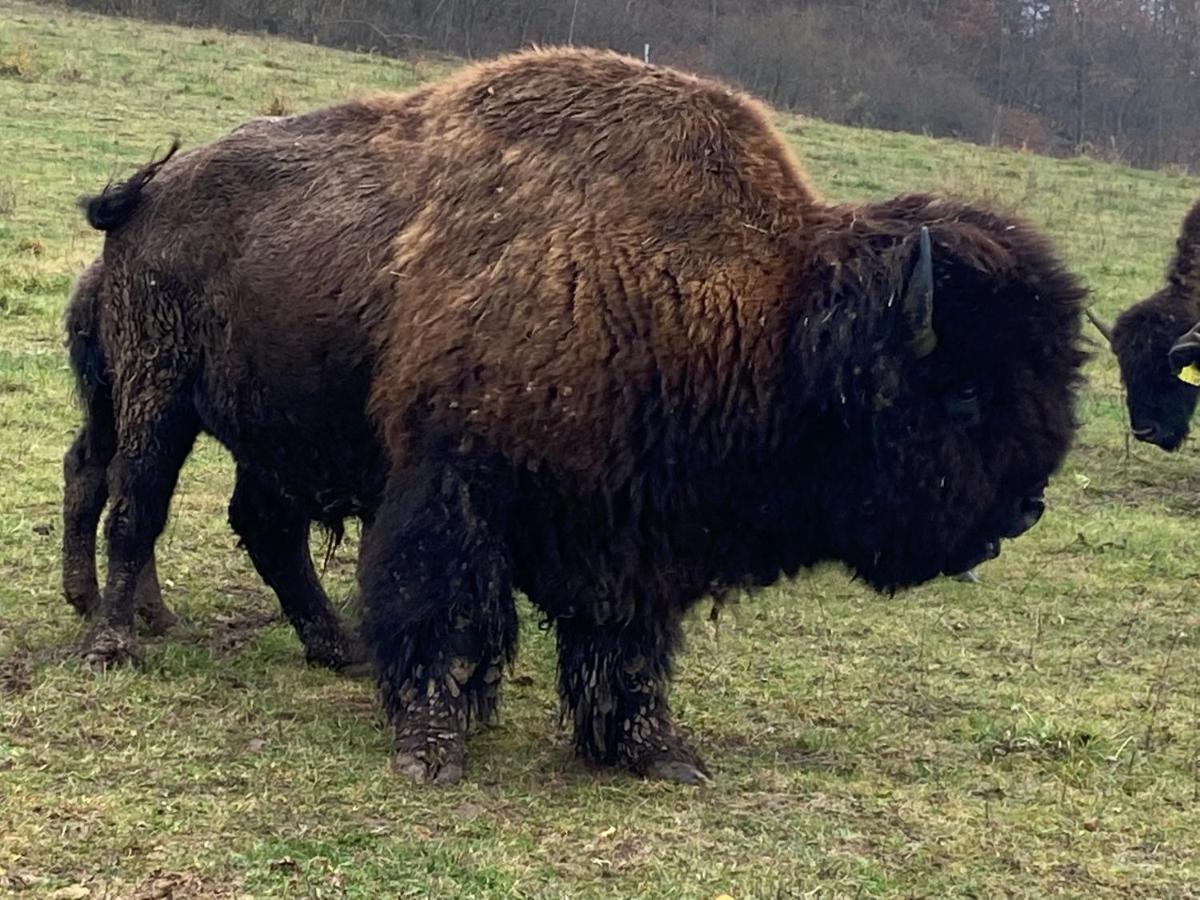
x: 151, y: 609
x: 275, y: 535
x: 85, y: 492
x: 438, y: 616
x: 613, y: 685
x: 151, y: 450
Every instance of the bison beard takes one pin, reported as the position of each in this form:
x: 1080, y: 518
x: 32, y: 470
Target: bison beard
x: 623, y: 357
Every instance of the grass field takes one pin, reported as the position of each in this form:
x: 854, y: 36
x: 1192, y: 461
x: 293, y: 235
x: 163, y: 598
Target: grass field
x: 1032, y: 736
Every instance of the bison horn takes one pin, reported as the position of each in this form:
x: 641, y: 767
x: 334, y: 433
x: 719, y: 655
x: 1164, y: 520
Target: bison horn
x: 918, y: 300
x: 1100, y: 326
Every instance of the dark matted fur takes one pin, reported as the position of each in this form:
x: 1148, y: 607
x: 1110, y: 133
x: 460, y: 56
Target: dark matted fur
x: 85, y: 465
x: 1160, y: 405
x: 269, y: 526
x: 171, y: 332
x: 622, y: 356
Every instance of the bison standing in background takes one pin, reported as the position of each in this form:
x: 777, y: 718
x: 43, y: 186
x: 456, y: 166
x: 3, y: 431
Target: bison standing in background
x: 85, y: 466
x: 623, y: 357
x: 271, y: 527
x: 1153, y: 343
x: 212, y: 310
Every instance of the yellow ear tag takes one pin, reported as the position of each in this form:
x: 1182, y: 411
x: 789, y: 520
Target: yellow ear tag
x: 1191, y: 374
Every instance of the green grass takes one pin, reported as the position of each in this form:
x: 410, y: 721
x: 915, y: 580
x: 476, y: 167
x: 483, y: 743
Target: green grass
x: 1036, y: 735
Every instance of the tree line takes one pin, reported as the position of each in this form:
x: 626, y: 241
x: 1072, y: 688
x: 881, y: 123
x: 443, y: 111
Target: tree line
x: 1113, y: 78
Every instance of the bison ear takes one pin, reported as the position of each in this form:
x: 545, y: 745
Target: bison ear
x: 918, y: 299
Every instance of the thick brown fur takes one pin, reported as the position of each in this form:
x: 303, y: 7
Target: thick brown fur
x: 661, y: 365
x: 1160, y: 405
x: 620, y: 355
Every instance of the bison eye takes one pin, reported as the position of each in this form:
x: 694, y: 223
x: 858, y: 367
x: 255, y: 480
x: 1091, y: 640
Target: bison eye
x: 962, y: 404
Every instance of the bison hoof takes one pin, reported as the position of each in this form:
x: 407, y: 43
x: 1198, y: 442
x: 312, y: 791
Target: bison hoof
x: 157, y: 617
x: 83, y: 601
x: 677, y: 770
x: 337, y: 652
x: 669, y: 758
x: 432, y: 755
x: 82, y: 605
x: 106, y: 647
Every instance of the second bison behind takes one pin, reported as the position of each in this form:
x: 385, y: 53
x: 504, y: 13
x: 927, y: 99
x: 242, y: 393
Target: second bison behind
x: 624, y: 357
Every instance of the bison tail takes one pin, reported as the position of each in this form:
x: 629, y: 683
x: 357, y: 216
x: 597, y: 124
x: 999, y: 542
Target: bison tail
x: 1185, y: 268
x: 115, y: 205
x: 84, y: 351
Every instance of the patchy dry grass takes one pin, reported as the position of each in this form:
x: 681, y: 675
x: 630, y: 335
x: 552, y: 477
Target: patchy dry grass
x: 1035, y: 735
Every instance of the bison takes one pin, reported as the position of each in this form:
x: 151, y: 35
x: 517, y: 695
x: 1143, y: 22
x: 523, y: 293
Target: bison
x: 1155, y: 339
x: 86, y: 462
x: 619, y: 355
x: 270, y: 526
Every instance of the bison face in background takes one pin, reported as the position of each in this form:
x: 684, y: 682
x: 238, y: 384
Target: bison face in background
x: 1153, y: 344
x: 957, y: 402
x: 1160, y: 405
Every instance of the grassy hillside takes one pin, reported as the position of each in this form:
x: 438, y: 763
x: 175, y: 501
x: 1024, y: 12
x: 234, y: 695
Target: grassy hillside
x: 1035, y: 735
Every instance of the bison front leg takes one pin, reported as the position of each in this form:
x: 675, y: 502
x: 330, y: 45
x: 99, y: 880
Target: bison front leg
x: 275, y: 534
x: 85, y: 491
x: 613, y: 684
x: 438, y: 617
x: 152, y: 444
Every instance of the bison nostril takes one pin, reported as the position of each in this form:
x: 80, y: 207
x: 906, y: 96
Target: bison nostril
x: 1033, y: 506
x: 1025, y: 513
x: 1145, y: 431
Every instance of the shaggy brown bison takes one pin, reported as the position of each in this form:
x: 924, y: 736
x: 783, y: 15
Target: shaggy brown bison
x: 1155, y: 339
x: 622, y: 357
x: 271, y: 528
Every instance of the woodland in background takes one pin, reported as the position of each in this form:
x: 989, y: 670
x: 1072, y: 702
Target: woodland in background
x: 1112, y: 78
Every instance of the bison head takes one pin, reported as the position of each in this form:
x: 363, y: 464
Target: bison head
x: 1160, y: 405
x: 1153, y: 343
x: 944, y: 344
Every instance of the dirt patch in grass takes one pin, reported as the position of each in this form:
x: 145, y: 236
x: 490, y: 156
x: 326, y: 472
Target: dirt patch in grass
x: 1050, y: 746
x: 785, y: 751
x: 1179, y: 495
x: 232, y: 632
x: 14, y: 676
x: 18, y: 670
x: 180, y: 886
